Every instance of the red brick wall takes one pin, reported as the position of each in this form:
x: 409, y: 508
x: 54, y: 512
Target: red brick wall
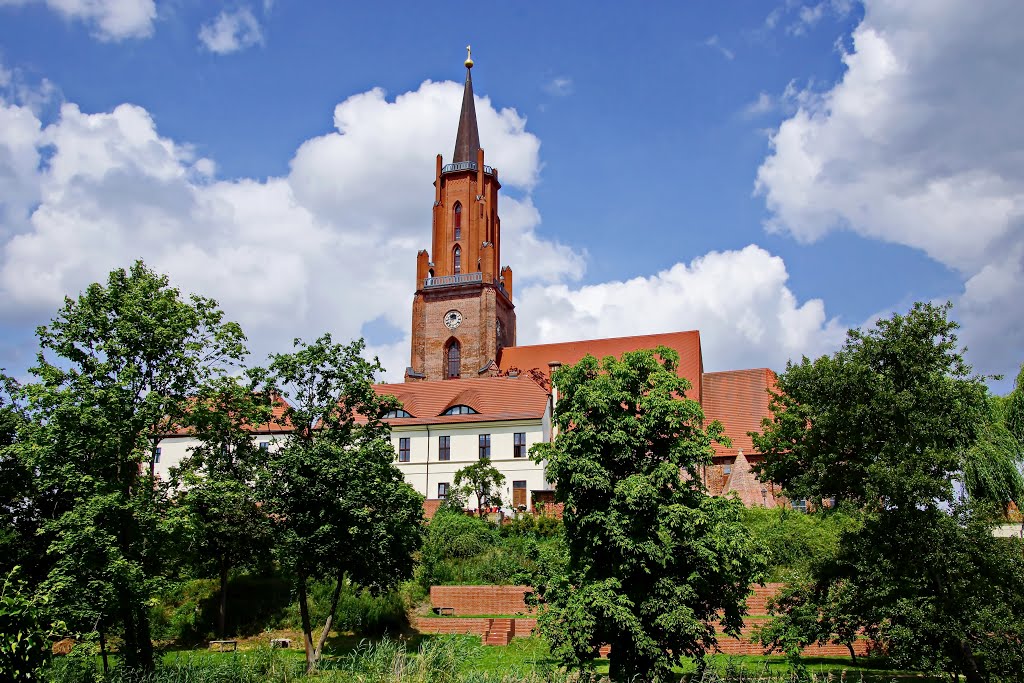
x: 474, y: 626
x: 430, y: 507
x: 471, y: 600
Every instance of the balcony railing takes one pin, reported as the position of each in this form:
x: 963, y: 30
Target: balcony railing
x: 465, y: 166
x: 461, y: 279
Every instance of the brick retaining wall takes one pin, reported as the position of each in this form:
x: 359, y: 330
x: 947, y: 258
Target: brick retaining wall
x: 475, y: 600
x: 473, y: 626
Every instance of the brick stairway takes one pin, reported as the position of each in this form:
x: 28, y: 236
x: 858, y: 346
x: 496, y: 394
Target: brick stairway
x: 499, y: 631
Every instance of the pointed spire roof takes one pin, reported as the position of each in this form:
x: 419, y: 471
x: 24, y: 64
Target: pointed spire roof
x: 467, y: 141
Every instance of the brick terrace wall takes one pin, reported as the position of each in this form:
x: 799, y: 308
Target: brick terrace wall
x: 471, y: 600
x: 745, y: 646
x: 473, y: 626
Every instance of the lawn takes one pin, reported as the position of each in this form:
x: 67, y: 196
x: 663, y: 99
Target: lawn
x: 463, y: 658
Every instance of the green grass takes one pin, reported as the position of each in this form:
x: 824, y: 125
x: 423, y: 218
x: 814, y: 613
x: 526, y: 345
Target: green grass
x: 462, y: 659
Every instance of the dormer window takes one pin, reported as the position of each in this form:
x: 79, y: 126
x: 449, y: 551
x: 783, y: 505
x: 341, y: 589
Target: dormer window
x: 460, y: 409
x: 396, y: 413
x: 457, y: 220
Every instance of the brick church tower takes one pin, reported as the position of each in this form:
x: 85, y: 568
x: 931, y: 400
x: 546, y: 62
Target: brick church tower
x: 462, y: 312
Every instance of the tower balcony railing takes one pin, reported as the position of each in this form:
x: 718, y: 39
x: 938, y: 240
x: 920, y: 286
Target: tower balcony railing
x: 461, y: 279
x: 465, y: 166
x: 446, y: 280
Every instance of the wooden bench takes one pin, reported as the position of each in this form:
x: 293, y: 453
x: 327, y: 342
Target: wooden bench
x: 222, y: 643
x: 280, y: 643
x: 445, y: 611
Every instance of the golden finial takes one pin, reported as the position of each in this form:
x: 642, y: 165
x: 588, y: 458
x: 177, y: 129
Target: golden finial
x: 469, y: 57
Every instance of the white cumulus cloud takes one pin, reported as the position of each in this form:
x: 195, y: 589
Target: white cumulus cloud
x: 920, y: 144
x: 231, y: 31
x: 110, y: 20
x: 327, y: 247
x: 739, y: 300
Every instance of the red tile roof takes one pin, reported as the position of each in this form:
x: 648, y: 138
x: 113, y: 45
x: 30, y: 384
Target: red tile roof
x: 738, y: 399
x: 494, y: 398
x: 687, y: 344
x: 278, y: 422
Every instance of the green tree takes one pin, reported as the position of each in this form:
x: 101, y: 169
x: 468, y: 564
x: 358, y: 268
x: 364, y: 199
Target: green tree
x: 24, y: 631
x: 339, y: 504
x: 113, y: 365
x: 652, y: 562
x: 483, y: 480
x: 991, y: 466
x: 887, y: 423
x: 216, y: 497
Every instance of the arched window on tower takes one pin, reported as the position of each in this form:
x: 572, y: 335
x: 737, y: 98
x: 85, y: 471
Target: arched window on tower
x: 457, y: 261
x: 457, y: 221
x: 452, y: 359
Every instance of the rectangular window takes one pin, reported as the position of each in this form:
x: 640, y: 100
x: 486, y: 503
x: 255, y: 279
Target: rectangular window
x: 442, y: 490
x: 519, y: 445
x: 485, y: 446
x: 156, y: 455
x: 800, y: 505
x: 519, y: 494
x: 444, y: 448
x: 264, y: 446
x: 403, y: 449
x: 726, y: 469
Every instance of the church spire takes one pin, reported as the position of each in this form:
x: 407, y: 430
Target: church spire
x: 467, y: 141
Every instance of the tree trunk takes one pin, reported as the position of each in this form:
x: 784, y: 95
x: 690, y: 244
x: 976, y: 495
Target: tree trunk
x: 145, y: 643
x: 222, y: 608
x: 971, y: 672
x: 129, y: 647
x: 307, y: 630
x: 103, y: 651
x: 853, y: 653
x: 330, y: 620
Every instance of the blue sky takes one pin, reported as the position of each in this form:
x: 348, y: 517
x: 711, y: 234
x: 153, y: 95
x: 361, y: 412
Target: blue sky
x: 768, y: 173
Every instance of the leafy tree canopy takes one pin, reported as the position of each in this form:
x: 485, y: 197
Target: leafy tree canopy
x: 339, y: 504
x: 483, y: 480
x: 888, y: 423
x: 651, y: 560
x: 113, y: 365
x: 883, y: 422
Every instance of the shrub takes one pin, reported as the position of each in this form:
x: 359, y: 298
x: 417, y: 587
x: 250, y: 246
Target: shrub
x: 796, y: 541
x: 24, y: 633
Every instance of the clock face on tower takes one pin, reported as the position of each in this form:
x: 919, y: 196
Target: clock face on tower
x: 452, y: 319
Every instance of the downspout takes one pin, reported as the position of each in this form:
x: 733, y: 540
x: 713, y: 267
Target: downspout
x: 426, y: 471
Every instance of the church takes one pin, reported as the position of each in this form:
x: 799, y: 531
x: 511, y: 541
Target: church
x: 471, y: 392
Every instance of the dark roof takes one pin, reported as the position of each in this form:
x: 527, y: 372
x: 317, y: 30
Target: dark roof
x: 493, y: 399
x: 467, y: 141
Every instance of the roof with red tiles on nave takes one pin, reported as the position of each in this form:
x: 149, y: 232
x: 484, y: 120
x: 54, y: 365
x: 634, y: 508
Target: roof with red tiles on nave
x: 278, y: 421
x: 686, y: 344
x: 738, y: 399
x: 493, y: 399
